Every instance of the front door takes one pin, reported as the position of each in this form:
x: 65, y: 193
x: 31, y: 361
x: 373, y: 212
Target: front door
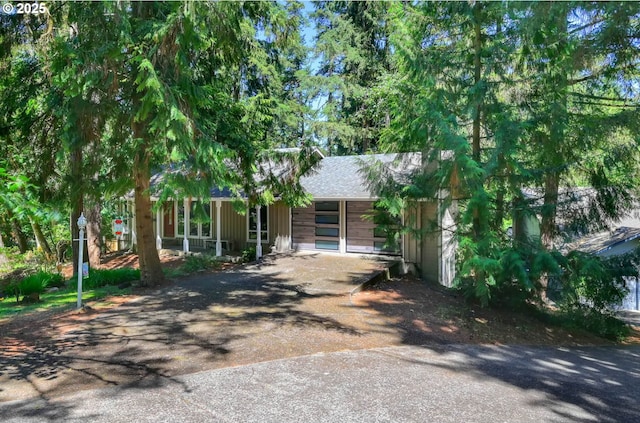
x: 169, y: 220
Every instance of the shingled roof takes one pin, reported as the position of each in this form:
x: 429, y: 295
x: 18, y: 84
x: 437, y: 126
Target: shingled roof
x: 601, y: 242
x: 344, y: 177
x: 337, y: 177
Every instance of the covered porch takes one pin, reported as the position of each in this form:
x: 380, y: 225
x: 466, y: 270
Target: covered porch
x: 215, y: 225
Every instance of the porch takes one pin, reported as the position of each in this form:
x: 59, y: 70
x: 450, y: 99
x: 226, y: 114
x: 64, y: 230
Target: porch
x: 215, y: 225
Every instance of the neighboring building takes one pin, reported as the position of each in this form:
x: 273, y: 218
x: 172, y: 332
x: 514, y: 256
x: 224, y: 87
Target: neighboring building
x: 338, y: 220
x: 623, y: 238
x: 619, y: 241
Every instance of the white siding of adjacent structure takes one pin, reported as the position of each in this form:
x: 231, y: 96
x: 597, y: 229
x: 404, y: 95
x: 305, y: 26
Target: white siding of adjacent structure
x: 632, y: 300
x: 433, y: 253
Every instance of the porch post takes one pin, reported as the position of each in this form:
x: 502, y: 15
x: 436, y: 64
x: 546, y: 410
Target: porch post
x: 342, y: 220
x: 290, y: 247
x: 185, y: 241
x: 158, y: 228
x: 402, y: 234
x: 259, y: 235
x: 218, y: 225
x: 132, y: 210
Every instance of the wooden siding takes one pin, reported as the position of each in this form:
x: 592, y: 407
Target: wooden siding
x: 233, y: 226
x: 303, y: 226
x: 279, y: 235
x: 360, y: 237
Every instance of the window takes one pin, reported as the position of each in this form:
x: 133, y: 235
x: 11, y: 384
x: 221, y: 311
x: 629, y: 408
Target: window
x: 332, y: 219
x: 327, y: 219
x: 326, y: 245
x: 205, y: 226
x: 327, y: 206
x: 180, y: 219
x: 327, y: 232
x: 199, y: 219
x: 253, y: 224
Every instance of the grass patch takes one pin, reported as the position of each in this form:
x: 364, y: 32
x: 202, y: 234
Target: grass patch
x: 107, y: 277
x: 59, y: 300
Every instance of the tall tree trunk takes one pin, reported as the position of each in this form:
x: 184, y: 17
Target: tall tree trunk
x: 549, y: 209
x: 17, y: 234
x: 477, y: 116
x: 553, y: 143
x: 94, y: 234
x: 150, y: 269
x: 556, y: 128
x: 3, y: 257
x: 41, y: 239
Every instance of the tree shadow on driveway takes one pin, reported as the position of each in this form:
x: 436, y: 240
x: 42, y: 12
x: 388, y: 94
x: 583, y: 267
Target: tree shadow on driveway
x: 579, y: 381
x: 208, y: 321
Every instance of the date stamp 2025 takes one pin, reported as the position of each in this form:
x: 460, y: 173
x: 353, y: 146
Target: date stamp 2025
x: 24, y: 8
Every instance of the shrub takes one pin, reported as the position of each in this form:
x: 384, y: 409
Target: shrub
x: 33, y: 285
x: 249, y: 254
x: 197, y: 263
x: 593, y: 281
x: 106, y: 277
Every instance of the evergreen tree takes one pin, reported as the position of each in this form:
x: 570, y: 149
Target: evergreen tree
x: 353, y: 56
x: 516, y: 122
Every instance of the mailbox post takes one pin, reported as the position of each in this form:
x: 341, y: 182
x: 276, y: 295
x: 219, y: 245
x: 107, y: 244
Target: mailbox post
x: 82, y: 224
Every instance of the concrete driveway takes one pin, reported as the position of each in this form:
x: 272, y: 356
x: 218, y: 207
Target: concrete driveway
x: 283, y: 342
x: 399, y: 384
x: 281, y: 308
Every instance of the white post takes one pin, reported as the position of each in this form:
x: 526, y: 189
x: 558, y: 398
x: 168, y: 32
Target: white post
x: 342, y: 225
x: 218, y: 243
x: 185, y: 241
x: 259, y: 235
x: 290, y: 247
x: 159, y: 216
x: 134, y: 239
x: 402, y: 234
x: 82, y: 223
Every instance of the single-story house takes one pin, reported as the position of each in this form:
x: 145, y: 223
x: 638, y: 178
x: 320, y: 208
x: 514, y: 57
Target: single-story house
x: 338, y: 220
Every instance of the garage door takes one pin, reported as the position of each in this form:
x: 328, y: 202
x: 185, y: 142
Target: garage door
x: 362, y: 236
x: 317, y: 227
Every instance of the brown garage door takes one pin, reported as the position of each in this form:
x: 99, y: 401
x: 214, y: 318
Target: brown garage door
x: 316, y: 227
x: 362, y: 236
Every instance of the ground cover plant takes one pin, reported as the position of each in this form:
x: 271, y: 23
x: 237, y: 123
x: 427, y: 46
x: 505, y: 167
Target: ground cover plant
x: 61, y: 300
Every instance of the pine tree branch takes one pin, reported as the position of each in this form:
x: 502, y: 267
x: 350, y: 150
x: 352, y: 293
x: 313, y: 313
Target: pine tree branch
x: 597, y: 97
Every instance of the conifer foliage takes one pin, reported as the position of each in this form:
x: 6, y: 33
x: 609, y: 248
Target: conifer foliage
x: 531, y: 101
x: 132, y: 87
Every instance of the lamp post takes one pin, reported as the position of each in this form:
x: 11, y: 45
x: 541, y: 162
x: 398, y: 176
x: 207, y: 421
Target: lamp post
x: 82, y: 223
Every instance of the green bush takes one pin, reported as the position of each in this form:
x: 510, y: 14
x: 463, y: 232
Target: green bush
x: 197, y: 263
x: 34, y: 284
x: 107, y: 277
x: 249, y: 254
